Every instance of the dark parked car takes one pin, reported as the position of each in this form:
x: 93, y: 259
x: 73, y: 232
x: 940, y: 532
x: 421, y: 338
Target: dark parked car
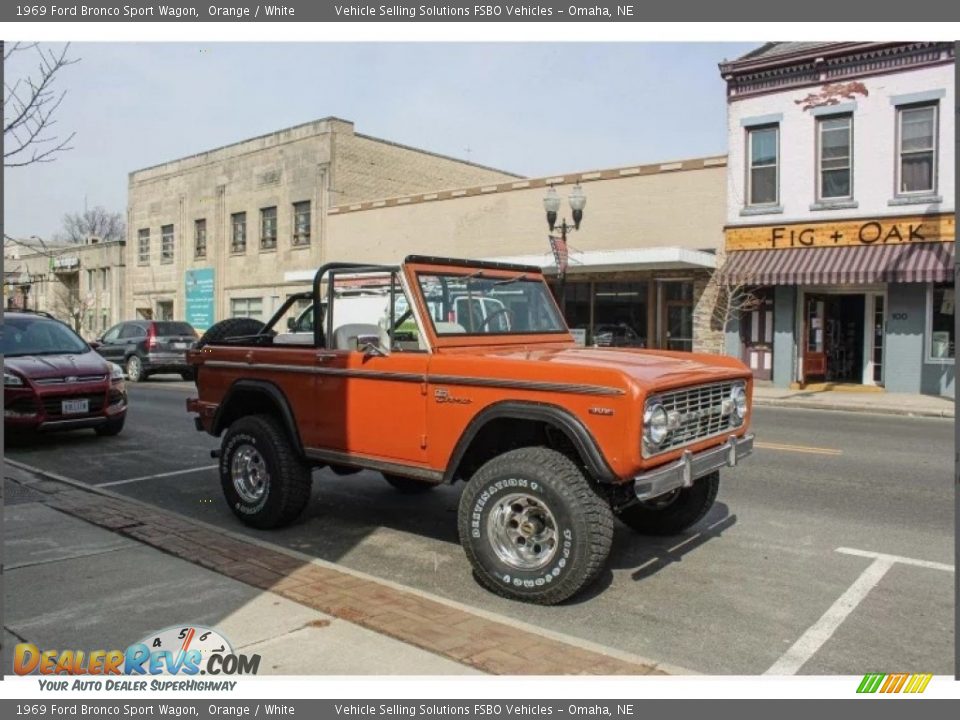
x: 145, y: 347
x: 619, y: 335
x: 53, y: 380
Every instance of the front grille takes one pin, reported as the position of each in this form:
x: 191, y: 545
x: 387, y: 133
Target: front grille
x: 79, y: 379
x: 54, y: 408
x: 698, y: 413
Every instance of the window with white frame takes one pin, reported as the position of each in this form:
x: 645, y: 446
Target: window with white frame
x: 835, y: 157
x: 238, y: 224
x: 941, y: 329
x: 143, y: 246
x: 247, y: 307
x: 917, y: 149
x: 301, y: 223
x: 268, y: 228
x: 763, y: 155
x: 166, y: 244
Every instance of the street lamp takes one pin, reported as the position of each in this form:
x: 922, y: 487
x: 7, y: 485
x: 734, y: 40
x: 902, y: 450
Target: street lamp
x: 551, y: 203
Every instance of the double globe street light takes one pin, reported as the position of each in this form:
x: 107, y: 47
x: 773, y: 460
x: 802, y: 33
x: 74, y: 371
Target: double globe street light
x: 558, y: 244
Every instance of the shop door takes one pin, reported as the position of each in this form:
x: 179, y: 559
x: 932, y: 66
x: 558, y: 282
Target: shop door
x: 814, y: 323
x: 756, y: 334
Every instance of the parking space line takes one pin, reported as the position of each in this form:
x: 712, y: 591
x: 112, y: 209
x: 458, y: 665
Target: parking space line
x: 798, y: 448
x: 824, y: 628
x: 158, y: 476
x: 897, y: 559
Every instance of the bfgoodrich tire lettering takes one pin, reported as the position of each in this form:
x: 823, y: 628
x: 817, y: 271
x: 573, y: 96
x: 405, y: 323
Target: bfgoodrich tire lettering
x: 674, y: 514
x: 284, y: 487
x: 583, y: 525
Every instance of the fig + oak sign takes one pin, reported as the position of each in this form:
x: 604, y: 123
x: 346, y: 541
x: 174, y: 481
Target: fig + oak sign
x: 199, y: 298
x: 872, y: 231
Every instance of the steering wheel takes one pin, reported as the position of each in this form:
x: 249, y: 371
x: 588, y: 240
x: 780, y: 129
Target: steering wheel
x: 497, y: 313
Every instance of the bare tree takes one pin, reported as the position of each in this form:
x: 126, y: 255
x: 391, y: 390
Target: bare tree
x: 97, y: 221
x: 70, y: 306
x: 731, y: 295
x: 30, y: 104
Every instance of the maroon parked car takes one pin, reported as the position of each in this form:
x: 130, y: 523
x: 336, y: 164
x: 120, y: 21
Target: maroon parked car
x: 53, y: 380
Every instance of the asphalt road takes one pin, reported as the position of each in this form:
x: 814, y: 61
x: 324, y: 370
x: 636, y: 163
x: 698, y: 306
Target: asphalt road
x: 790, y: 571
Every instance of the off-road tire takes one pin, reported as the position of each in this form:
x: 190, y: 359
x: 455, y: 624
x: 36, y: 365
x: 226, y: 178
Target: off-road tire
x: 686, y: 509
x: 408, y: 486
x: 111, y: 427
x: 584, y: 525
x: 231, y: 327
x: 287, y: 482
x: 134, y: 369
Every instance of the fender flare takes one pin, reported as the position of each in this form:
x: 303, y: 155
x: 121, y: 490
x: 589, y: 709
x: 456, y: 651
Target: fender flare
x: 266, y: 389
x: 560, y: 418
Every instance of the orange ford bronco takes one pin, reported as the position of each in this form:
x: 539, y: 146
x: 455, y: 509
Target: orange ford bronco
x: 466, y: 372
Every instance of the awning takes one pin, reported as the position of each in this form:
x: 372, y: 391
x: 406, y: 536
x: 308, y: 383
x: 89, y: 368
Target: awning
x: 855, y: 264
x: 627, y: 259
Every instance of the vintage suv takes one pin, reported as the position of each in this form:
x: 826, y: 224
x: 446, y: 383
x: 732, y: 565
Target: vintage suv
x: 552, y: 440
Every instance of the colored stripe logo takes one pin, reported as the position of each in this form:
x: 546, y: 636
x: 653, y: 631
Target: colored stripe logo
x: 894, y: 682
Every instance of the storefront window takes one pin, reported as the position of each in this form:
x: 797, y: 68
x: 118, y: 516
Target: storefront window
x: 941, y: 336
x: 620, y: 314
x: 576, y: 308
x: 678, y: 315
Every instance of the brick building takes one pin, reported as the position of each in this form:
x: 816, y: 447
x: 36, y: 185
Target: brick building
x: 840, y: 213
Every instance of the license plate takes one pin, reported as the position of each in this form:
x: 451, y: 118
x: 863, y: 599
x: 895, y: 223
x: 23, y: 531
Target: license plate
x: 179, y: 345
x: 75, y: 407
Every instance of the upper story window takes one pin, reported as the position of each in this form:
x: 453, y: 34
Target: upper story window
x: 268, y: 228
x: 835, y: 157
x: 763, y: 160
x: 200, y: 238
x: 917, y: 149
x: 143, y: 246
x: 166, y: 244
x: 238, y: 241
x: 301, y: 223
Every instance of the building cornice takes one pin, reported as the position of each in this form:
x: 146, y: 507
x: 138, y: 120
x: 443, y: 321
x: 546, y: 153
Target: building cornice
x: 541, y: 182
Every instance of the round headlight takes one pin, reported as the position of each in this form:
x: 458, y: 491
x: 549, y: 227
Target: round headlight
x: 656, y: 423
x: 739, y: 397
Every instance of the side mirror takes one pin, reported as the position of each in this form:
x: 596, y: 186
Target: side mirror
x: 370, y: 346
x: 291, y: 324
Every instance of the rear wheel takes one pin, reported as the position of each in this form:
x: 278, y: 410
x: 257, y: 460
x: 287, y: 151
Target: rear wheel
x: 135, y: 369
x: 533, y: 527
x: 408, y: 486
x: 264, y: 480
x: 229, y: 328
x: 674, y: 512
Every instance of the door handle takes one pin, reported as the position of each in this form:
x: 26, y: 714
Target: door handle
x: 325, y: 357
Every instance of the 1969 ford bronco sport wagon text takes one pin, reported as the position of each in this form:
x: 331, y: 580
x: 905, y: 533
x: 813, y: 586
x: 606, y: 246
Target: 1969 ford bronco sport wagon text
x: 467, y: 372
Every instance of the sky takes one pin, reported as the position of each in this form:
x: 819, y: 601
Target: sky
x: 534, y: 109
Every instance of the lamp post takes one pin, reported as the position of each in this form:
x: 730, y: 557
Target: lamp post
x: 558, y: 244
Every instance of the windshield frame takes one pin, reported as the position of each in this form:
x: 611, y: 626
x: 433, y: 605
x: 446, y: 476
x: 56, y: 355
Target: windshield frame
x: 46, y: 320
x: 561, y: 334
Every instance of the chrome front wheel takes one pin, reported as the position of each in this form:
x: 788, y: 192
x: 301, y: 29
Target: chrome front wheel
x: 248, y: 471
x: 522, y: 531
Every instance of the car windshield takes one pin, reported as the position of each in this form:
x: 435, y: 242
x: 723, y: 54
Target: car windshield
x: 480, y: 304
x: 37, y: 335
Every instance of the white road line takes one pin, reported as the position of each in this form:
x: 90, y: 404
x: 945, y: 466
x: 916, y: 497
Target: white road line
x: 156, y: 477
x: 897, y: 559
x: 822, y: 630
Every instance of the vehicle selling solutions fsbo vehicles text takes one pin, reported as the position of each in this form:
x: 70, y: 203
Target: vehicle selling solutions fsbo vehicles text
x: 414, y: 11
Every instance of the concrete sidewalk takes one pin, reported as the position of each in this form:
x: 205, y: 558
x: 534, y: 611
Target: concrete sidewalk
x: 89, y: 569
x: 885, y: 403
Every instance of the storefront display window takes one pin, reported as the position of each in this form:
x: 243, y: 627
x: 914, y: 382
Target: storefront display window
x: 678, y: 315
x: 941, y: 329
x: 620, y: 314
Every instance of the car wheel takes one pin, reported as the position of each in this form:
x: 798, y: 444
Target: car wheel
x: 674, y: 512
x: 408, y: 486
x: 110, y: 428
x: 264, y: 480
x: 135, y: 369
x: 533, y: 527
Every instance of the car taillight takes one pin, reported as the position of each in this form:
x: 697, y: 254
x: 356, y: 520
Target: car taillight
x: 151, y: 336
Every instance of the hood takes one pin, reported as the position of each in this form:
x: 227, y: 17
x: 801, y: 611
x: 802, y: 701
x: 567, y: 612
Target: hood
x: 659, y: 369
x: 35, y: 367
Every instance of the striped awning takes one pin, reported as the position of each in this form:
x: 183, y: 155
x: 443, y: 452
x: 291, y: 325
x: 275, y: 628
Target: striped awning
x: 919, y: 262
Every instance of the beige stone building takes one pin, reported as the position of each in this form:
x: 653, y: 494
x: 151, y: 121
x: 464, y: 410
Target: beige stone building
x: 212, y: 235
x: 81, y: 284
x: 235, y: 230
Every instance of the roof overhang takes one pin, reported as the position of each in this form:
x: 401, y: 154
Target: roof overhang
x: 594, y: 261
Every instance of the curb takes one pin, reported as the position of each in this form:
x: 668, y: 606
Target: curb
x: 857, y: 408
x: 472, y: 637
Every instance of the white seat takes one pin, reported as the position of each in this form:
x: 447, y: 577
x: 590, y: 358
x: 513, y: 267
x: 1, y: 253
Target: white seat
x: 448, y: 328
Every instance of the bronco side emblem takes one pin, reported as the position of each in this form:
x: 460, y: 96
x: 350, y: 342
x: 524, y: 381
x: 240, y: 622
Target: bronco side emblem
x: 442, y: 396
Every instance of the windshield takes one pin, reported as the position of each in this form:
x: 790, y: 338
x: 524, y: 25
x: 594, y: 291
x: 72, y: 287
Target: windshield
x: 37, y: 335
x: 479, y: 304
